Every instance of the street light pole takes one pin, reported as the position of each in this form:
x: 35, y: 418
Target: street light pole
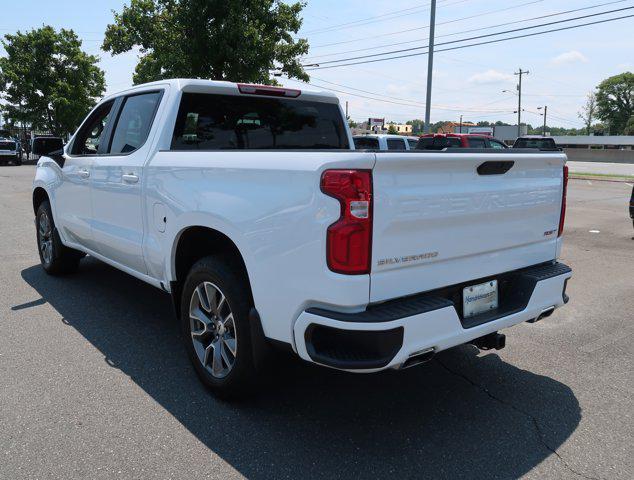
x: 460, y: 131
x: 519, y: 100
x: 430, y: 64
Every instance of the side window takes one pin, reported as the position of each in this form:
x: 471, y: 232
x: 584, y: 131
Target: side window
x: 134, y: 122
x: 395, y: 144
x: 477, y: 142
x: 412, y: 143
x: 497, y: 145
x: 91, y: 134
x: 366, y: 143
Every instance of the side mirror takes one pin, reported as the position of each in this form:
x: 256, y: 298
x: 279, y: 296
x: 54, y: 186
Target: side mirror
x: 52, y: 147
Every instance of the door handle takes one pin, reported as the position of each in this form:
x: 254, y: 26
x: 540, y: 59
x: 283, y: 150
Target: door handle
x: 130, y: 178
x: 83, y: 173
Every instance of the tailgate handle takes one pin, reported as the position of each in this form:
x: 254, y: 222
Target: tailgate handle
x: 496, y: 167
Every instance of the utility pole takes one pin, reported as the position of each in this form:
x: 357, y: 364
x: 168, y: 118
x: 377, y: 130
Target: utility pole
x: 346, y: 109
x: 460, y: 127
x: 519, y: 100
x: 545, y: 112
x: 430, y: 64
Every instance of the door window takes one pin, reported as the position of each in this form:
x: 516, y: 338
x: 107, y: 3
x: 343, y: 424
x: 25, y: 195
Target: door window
x: 134, y: 122
x: 395, y: 144
x: 477, y: 142
x: 92, y: 134
x: 497, y: 145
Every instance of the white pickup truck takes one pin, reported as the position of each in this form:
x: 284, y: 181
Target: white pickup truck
x: 251, y: 207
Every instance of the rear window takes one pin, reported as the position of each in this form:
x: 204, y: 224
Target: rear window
x: 7, y: 145
x: 395, y: 144
x: 412, y: 143
x: 231, y: 122
x: 366, y: 143
x: 437, y: 143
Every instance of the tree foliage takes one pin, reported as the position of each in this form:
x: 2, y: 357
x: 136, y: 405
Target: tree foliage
x: 47, y: 81
x: 615, y: 101
x: 588, y: 111
x: 235, y: 40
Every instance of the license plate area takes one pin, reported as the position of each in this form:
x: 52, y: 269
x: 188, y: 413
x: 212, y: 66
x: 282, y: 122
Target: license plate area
x: 481, y: 298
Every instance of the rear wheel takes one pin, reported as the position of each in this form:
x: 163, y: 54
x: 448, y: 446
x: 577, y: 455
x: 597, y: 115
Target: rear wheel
x: 215, y: 324
x: 56, y: 258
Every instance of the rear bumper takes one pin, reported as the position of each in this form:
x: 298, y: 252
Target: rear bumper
x: 386, y: 335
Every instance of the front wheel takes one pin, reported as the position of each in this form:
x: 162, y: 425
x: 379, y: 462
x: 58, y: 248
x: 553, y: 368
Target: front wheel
x: 56, y: 258
x: 215, y: 306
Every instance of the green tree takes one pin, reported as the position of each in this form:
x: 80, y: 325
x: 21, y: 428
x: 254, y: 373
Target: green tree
x: 615, y: 101
x: 391, y: 129
x: 235, y: 40
x: 47, y: 81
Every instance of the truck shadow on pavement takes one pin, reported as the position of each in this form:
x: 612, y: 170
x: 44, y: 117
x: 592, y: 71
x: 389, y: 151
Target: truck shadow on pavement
x: 459, y: 416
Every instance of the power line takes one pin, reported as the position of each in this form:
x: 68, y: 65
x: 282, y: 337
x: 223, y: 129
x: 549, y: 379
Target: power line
x: 393, y: 100
x: 373, y: 19
x: 446, y: 22
x: 460, y: 40
x: 468, y: 31
x: 476, y: 44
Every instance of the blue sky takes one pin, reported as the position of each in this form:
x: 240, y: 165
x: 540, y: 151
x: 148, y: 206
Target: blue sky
x: 563, y: 66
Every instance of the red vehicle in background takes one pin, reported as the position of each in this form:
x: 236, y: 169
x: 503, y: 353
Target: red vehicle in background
x: 439, y: 141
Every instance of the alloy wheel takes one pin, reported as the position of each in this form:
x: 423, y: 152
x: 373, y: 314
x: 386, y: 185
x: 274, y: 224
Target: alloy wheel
x: 212, y: 329
x: 45, y: 237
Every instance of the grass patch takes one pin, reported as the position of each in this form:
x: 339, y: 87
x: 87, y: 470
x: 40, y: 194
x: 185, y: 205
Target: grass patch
x: 602, y: 175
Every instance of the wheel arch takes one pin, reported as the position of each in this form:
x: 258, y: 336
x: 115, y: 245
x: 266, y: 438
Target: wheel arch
x: 195, y: 242
x: 39, y: 195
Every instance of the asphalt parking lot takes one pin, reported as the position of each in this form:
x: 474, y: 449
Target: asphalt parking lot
x: 94, y: 382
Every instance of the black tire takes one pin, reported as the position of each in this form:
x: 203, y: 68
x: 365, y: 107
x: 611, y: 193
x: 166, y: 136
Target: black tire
x: 60, y: 259
x: 230, y: 283
x: 18, y: 161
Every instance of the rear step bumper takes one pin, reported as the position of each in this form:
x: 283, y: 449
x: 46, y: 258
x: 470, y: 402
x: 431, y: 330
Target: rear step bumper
x: 391, y: 334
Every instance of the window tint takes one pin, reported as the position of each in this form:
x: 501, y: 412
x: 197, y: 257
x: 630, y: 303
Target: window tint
x: 395, y: 144
x: 438, y: 143
x: 231, y: 122
x: 477, y: 142
x: 412, y: 143
x: 134, y: 122
x: 91, y: 134
x: 366, y: 143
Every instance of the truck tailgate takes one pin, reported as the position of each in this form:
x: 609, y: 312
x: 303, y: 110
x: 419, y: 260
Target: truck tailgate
x: 438, y: 221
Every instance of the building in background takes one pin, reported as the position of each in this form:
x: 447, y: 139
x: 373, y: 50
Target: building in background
x: 378, y: 125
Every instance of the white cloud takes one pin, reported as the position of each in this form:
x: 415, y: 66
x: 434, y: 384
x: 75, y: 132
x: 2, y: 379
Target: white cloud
x: 490, y: 76
x: 573, y: 56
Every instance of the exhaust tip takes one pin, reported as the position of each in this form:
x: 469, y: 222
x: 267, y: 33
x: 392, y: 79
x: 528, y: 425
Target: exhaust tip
x: 416, y: 358
x: 547, y: 312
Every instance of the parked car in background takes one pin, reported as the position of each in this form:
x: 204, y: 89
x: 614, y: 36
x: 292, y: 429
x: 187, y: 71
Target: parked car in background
x: 384, y: 142
x: 250, y: 206
x: 440, y: 141
x: 10, y: 152
x: 536, y: 141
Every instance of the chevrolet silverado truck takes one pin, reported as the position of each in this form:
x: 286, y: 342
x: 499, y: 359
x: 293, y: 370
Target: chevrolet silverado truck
x: 249, y: 205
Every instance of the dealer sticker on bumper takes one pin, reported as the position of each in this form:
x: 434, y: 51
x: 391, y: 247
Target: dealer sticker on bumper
x: 480, y: 298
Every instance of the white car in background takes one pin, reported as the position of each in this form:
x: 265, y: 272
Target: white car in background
x: 384, y: 142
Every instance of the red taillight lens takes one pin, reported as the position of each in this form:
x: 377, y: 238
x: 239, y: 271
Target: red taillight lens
x: 349, y: 240
x: 562, y: 217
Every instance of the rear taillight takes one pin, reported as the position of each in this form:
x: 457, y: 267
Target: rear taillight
x: 562, y: 217
x: 349, y: 239
x: 251, y: 89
